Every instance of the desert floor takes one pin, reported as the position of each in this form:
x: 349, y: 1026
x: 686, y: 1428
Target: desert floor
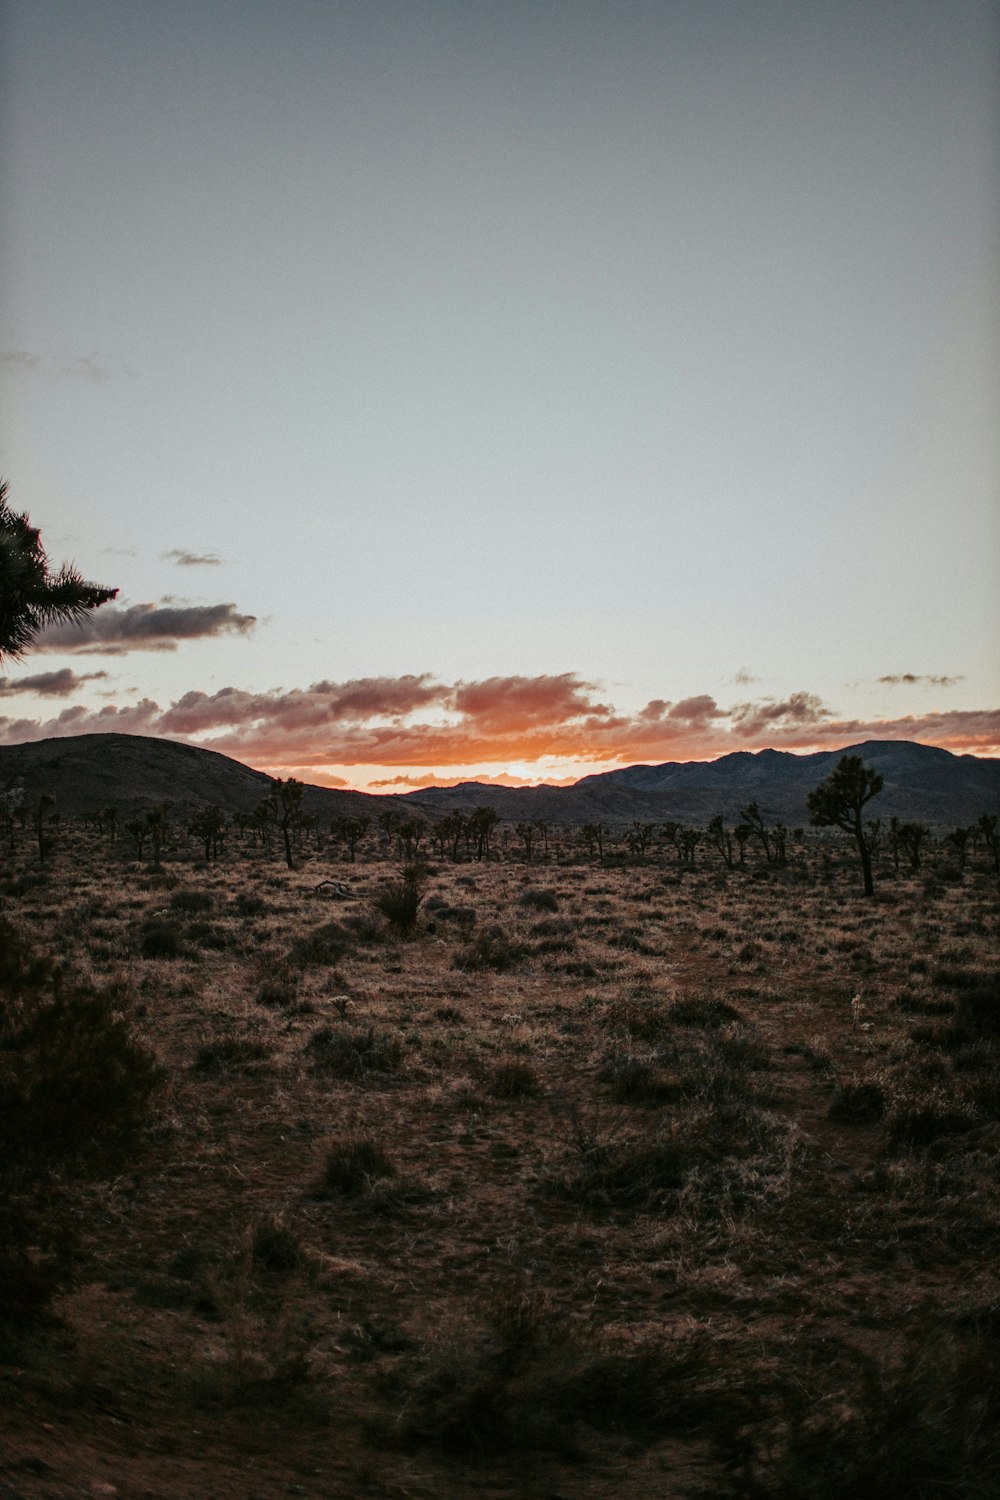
x: 608, y: 1180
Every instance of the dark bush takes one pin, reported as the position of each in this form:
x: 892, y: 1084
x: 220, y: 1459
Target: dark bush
x: 76, y: 1088
x: 326, y: 944
x: 275, y: 1248
x: 208, y: 935
x: 858, y: 1101
x: 513, y: 1079
x: 228, y: 1052
x: 491, y: 949
x: 539, y: 898
x: 194, y: 903
x: 701, y: 1010
x: 160, y: 938
x: 399, y: 901
x: 352, y: 1053
x: 351, y: 1166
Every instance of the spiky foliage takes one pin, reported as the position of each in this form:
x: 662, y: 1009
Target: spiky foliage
x: 838, y: 801
x: 32, y: 597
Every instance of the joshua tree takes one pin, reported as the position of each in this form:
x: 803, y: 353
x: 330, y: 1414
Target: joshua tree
x: 286, y: 799
x: 639, y: 836
x: 482, y: 823
x: 911, y: 836
x: 30, y: 596
x: 593, y: 836
x: 838, y: 802
x: 751, y: 816
x: 687, y: 842
x: 350, y: 831
x: 209, y: 825
x: 389, y: 823
x: 526, y: 833
x: 987, y: 827
x: 450, y: 831
x: 410, y: 833
x: 959, y: 841
x: 720, y: 838
x: 41, y: 812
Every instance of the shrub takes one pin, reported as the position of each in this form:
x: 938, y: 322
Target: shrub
x: 326, y: 944
x: 275, y: 1249
x: 160, y: 938
x: 858, y: 1101
x: 353, y: 1053
x: 194, y: 903
x: 490, y: 949
x: 228, y: 1052
x: 352, y: 1166
x: 399, y: 901
x: 701, y: 1010
x: 539, y: 898
x: 639, y: 1080
x: 926, y: 1427
x: 512, y: 1079
x: 76, y: 1086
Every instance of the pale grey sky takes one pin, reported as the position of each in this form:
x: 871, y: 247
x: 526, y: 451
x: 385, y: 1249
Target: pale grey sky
x: 646, y: 342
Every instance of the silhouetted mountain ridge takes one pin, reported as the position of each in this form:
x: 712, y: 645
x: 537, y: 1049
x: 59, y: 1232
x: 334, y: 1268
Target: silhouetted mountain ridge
x: 86, y: 773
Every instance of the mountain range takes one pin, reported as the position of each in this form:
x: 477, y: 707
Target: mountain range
x: 86, y: 773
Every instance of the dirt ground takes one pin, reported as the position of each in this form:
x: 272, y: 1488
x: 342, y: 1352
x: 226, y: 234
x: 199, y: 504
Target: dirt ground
x: 607, y: 1179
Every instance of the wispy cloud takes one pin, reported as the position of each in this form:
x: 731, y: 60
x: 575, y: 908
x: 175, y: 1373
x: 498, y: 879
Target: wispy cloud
x: 415, y: 723
x: 114, y: 630
x: 915, y: 679
x: 48, y: 684
x: 192, y: 559
x: 83, y: 367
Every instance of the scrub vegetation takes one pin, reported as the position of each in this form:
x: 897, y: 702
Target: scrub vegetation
x: 591, y: 1165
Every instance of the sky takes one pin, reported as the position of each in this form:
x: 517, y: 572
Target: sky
x: 506, y: 389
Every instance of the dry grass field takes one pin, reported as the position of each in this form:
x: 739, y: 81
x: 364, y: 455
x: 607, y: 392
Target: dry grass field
x: 603, y: 1180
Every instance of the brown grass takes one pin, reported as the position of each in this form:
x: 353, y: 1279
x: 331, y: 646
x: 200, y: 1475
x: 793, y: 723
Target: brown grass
x: 583, y: 1181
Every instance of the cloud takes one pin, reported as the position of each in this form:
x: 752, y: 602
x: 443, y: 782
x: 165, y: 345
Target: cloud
x: 743, y: 678
x: 753, y: 719
x: 115, y: 629
x: 85, y: 367
x: 192, y: 559
x: 910, y: 679
x: 48, y: 684
x: 409, y: 730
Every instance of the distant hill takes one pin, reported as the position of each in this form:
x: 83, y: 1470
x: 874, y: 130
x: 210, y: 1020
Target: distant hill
x: 88, y: 772
x: 132, y: 772
x: 921, y: 782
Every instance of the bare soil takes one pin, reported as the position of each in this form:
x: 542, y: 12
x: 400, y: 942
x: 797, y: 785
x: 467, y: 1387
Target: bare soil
x: 677, y: 1180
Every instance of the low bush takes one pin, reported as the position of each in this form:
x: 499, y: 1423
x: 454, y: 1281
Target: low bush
x: 228, y: 1052
x: 352, y: 1166
x: 539, y: 898
x: 192, y: 902
x: 492, y: 948
x: 348, y: 1052
x: 513, y: 1079
x: 160, y: 938
x: 399, y: 901
x: 326, y: 944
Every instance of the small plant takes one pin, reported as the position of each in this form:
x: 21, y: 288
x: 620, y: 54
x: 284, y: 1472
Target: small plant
x: 275, y: 1249
x: 354, y: 1053
x: 490, y: 949
x: 160, y: 938
x: 326, y: 944
x: 352, y: 1166
x: 228, y: 1052
x: 399, y: 901
x: 539, y: 898
x: 512, y: 1079
x: 192, y: 902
